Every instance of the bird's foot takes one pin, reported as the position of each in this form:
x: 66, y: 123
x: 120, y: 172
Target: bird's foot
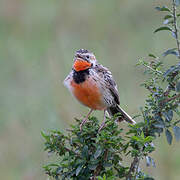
x: 82, y: 123
x: 101, y: 126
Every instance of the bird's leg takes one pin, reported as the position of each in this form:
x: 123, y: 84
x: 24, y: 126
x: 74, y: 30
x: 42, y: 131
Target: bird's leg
x: 85, y: 119
x: 103, y: 123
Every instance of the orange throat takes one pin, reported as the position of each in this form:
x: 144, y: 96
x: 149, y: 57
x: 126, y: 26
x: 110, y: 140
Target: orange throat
x: 81, y: 65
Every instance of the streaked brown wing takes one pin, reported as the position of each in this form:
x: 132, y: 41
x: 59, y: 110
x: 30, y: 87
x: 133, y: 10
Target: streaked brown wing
x: 110, y: 83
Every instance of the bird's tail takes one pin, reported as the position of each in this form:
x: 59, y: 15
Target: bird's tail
x: 116, y: 109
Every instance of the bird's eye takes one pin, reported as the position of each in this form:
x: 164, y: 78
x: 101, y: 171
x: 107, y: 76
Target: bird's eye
x: 87, y: 56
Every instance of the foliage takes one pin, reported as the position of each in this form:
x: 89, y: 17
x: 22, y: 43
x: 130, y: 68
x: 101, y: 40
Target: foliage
x: 100, y: 155
x: 91, y: 154
x: 161, y: 110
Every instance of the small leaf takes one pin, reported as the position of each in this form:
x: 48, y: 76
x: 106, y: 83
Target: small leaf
x: 46, y: 137
x: 92, y: 166
x: 98, y: 152
x: 168, y: 16
x: 164, y: 8
x: 52, y: 164
x: 79, y: 169
x: 158, y: 125
x: 158, y: 130
x: 100, y: 178
x: 152, y: 55
x: 56, y: 177
x: 136, y: 116
x: 170, y: 51
x: 148, y: 161
x: 173, y: 34
x: 178, y: 86
x: 168, y: 136
x: 170, y: 70
x: 166, y: 21
x: 153, y: 162
x: 168, y: 115
x: 85, y: 151
x: 135, y: 138
x: 149, y: 139
x: 107, y: 164
x: 163, y: 28
x: 59, y: 170
x: 176, y: 130
x: 159, y: 122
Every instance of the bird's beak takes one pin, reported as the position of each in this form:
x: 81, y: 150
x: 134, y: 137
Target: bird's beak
x: 81, y: 65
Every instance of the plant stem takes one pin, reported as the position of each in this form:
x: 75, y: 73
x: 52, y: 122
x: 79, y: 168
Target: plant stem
x: 134, y: 166
x: 172, y: 98
x: 175, y: 27
x: 156, y: 71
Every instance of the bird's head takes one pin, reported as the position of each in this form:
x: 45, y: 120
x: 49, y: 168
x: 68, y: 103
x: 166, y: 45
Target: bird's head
x: 83, y: 60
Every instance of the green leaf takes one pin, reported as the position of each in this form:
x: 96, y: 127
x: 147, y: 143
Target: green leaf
x: 168, y: 136
x: 46, y: 137
x: 152, y: 55
x: 149, y: 149
x: 168, y: 16
x: 149, y: 139
x: 149, y: 178
x: 164, y: 8
x: 153, y: 162
x: 52, y: 165
x: 173, y: 34
x: 169, y: 71
x: 163, y: 28
x: 100, y: 178
x: 98, y: 152
x: 176, y: 130
x: 159, y: 122
x: 107, y: 164
x: 78, y: 170
x: 142, y: 135
x: 92, y: 166
x: 85, y: 151
x: 148, y: 161
x: 170, y: 51
x: 166, y: 21
x: 168, y: 115
x: 178, y: 86
x: 135, y: 138
x: 59, y: 170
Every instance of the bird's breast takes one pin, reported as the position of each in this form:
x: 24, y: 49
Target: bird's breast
x: 88, y: 93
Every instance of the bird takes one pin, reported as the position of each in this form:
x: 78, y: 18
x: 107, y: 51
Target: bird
x: 93, y: 85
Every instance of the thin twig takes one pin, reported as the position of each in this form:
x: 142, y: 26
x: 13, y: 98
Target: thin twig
x: 175, y: 27
x: 99, y: 167
x: 133, y: 167
x: 156, y: 71
x: 137, y: 167
x: 172, y: 98
x: 167, y: 91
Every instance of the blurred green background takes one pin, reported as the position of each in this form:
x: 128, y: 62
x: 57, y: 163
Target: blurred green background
x: 37, y: 41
